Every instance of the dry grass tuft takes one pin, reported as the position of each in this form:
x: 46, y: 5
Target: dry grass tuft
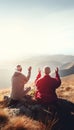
x: 23, y: 123
x: 3, y: 117
x: 51, y: 123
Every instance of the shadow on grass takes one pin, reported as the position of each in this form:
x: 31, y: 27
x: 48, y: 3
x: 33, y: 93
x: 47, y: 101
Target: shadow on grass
x: 65, y: 114
x: 57, y: 116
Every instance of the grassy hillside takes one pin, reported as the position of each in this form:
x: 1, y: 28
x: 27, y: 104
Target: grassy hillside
x: 66, y: 90
x: 22, y: 122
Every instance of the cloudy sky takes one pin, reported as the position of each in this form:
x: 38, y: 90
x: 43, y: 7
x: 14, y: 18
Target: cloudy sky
x: 29, y: 27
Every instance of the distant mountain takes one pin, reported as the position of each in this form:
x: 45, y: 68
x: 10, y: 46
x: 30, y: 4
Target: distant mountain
x: 51, y: 60
x: 67, y: 69
x: 64, y: 62
x: 48, y: 58
x: 61, y: 61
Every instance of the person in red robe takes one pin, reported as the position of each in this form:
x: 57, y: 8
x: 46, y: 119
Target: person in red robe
x: 46, y: 86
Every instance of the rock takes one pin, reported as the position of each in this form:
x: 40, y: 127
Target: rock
x: 25, y: 110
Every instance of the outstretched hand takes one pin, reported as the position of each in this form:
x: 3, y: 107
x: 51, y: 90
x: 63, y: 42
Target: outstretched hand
x: 39, y: 70
x: 30, y: 68
x: 56, y: 71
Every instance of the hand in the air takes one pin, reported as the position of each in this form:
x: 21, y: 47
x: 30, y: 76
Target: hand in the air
x: 56, y: 71
x: 30, y: 68
x: 39, y: 71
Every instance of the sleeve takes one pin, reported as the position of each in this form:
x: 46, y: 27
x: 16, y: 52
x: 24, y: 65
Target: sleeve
x: 38, y: 76
x: 28, y: 75
x: 26, y: 78
x: 57, y: 81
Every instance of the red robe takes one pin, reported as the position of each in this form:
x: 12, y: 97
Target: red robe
x: 46, y: 87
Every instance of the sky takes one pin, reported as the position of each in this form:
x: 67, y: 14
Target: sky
x: 35, y: 27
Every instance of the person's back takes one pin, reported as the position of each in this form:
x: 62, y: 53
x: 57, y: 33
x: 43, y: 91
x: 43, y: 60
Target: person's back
x: 46, y: 87
x: 18, y: 82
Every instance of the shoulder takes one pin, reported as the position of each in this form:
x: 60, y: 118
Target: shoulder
x: 22, y: 75
x: 40, y: 79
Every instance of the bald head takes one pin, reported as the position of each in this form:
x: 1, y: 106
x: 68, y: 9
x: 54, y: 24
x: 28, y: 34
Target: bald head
x: 47, y: 70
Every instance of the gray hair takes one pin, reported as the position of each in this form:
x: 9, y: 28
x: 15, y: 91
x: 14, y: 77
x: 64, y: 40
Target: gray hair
x: 19, y: 68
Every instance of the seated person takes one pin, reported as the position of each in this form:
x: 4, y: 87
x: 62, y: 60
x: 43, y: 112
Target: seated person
x: 18, y: 81
x: 46, y: 86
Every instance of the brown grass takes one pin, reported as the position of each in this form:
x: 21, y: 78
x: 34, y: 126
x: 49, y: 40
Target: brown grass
x: 3, y: 117
x: 66, y: 91
x: 23, y: 123
x: 4, y: 92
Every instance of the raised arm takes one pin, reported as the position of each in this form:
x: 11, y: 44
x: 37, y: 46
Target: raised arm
x: 29, y: 73
x: 26, y: 78
x: 57, y: 74
x: 57, y: 78
x: 38, y: 75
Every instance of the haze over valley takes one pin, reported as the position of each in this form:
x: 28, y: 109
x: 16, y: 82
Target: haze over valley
x: 64, y: 62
